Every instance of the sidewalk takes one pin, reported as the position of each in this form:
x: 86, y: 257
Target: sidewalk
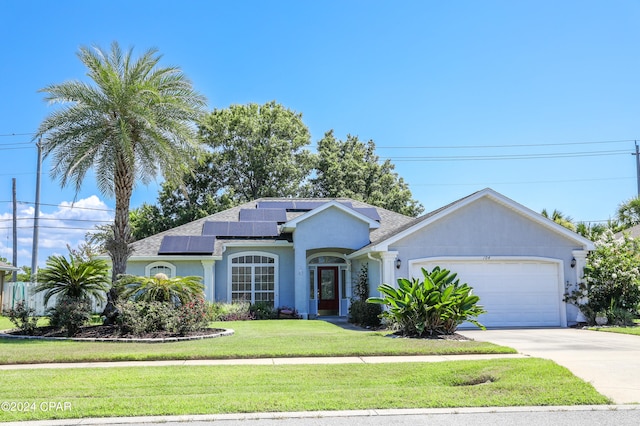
x: 263, y: 361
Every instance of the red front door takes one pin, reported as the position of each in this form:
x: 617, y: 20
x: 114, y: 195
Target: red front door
x: 328, y: 298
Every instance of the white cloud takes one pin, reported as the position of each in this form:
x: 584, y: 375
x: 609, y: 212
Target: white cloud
x: 68, y: 224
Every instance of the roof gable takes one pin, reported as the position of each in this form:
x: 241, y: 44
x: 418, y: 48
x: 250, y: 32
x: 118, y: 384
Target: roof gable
x: 291, y: 225
x: 487, y: 193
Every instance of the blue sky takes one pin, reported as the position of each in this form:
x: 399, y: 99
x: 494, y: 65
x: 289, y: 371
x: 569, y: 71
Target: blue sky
x: 549, y: 87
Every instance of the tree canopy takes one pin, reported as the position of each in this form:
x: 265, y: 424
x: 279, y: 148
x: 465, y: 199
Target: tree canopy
x: 262, y: 151
x: 351, y: 168
x: 259, y: 150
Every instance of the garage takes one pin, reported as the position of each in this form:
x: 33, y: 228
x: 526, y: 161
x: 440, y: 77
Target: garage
x: 514, y: 292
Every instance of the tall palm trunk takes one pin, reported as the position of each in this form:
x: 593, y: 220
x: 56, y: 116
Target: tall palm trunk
x: 118, y: 247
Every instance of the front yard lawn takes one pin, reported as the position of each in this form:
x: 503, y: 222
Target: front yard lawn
x: 622, y: 330
x: 239, y: 389
x: 252, y: 339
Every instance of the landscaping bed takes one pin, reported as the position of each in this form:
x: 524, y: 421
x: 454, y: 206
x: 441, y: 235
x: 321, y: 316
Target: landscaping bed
x: 111, y: 333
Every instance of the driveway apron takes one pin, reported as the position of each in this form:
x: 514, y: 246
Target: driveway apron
x: 609, y: 361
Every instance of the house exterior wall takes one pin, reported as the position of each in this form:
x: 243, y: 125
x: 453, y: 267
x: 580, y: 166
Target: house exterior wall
x: 329, y: 229
x: 483, y: 228
x: 285, y: 272
x: 486, y: 228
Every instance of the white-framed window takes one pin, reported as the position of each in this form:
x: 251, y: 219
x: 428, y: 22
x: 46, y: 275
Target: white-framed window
x: 253, y: 277
x: 160, y: 268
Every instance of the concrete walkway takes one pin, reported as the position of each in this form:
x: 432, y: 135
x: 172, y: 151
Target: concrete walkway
x: 262, y: 361
x: 609, y: 361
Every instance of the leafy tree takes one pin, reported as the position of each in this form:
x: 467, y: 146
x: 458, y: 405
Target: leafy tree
x: 629, y: 213
x: 160, y: 288
x: 437, y: 305
x: 131, y: 124
x: 258, y: 150
x: 199, y: 196
x: 73, y: 278
x: 352, y: 169
x: 559, y: 218
x: 612, y: 279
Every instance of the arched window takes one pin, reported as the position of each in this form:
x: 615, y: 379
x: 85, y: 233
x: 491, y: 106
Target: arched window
x: 254, y: 278
x: 160, y: 268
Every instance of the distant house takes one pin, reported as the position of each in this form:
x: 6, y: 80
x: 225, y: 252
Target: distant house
x: 307, y: 253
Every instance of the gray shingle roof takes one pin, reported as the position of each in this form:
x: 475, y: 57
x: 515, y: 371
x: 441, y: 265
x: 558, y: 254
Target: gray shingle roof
x: 390, y: 223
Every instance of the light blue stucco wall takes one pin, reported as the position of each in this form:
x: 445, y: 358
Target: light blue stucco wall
x: 484, y: 228
x: 329, y: 229
x: 285, y: 272
x: 183, y: 267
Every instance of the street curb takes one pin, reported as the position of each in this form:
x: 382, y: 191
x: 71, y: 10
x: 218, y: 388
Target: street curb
x: 316, y: 415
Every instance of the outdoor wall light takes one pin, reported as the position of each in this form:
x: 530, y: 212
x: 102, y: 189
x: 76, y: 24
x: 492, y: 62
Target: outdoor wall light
x: 398, y: 263
x: 573, y: 262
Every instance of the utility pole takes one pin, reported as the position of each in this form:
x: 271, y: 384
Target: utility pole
x: 637, y: 154
x: 36, y: 216
x: 15, y: 230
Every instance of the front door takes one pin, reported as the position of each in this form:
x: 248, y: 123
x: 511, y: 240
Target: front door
x: 328, y: 298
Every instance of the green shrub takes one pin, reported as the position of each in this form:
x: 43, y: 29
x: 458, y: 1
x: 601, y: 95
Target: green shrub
x: 70, y: 313
x: 23, y: 317
x: 160, y: 288
x: 236, y: 311
x: 263, y: 311
x: 364, y: 314
x: 612, y: 280
x: 193, y: 316
x: 145, y: 318
x: 437, y: 305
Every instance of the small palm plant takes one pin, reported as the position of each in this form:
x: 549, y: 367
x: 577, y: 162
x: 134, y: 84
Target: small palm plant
x: 435, y: 306
x: 160, y: 288
x: 73, y: 278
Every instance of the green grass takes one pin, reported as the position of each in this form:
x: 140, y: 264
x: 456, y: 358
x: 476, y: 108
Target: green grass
x: 252, y: 339
x: 239, y: 389
x: 621, y: 330
x: 6, y: 324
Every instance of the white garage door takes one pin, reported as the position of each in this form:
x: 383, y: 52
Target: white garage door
x: 514, y: 293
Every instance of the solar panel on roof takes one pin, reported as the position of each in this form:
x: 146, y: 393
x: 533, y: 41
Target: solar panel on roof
x: 241, y: 229
x: 370, y: 212
x: 263, y: 215
x: 215, y: 228
x: 173, y: 244
x: 178, y: 244
x: 275, y: 204
x: 307, y: 205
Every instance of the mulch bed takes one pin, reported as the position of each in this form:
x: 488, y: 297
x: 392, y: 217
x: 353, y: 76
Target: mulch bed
x: 454, y: 336
x: 110, y: 331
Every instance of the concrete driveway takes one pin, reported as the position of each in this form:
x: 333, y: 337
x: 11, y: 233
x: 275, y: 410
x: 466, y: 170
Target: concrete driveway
x: 609, y: 361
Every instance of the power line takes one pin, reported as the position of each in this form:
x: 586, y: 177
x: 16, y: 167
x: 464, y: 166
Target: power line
x: 523, y: 182
x: 510, y: 156
x: 60, y: 219
x: 61, y: 206
x: 505, y: 146
x: 16, y: 134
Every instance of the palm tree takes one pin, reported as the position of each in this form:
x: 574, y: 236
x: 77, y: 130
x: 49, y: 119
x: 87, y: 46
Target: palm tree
x: 559, y: 218
x: 629, y: 213
x: 160, y: 288
x: 74, y: 278
x: 133, y: 123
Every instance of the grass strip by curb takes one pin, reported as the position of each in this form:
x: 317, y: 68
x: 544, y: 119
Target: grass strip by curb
x: 280, y: 388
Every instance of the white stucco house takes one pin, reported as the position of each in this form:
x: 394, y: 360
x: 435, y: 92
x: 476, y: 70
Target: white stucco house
x: 307, y: 253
